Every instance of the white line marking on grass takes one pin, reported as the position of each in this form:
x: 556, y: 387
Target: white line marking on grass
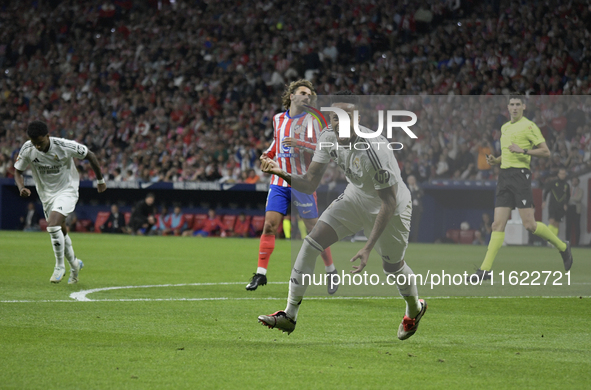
x: 82, y: 296
x: 274, y: 299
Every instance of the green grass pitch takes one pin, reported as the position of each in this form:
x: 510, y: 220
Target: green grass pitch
x: 203, y: 331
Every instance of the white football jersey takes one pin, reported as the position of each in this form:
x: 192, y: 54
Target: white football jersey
x: 54, y: 172
x: 369, y: 166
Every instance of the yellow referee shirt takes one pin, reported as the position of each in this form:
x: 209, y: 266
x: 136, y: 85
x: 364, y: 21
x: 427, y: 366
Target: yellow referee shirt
x: 526, y: 135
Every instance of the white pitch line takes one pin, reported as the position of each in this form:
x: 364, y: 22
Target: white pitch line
x: 282, y: 299
x: 81, y: 296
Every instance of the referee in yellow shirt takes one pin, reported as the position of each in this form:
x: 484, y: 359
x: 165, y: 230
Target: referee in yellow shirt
x: 520, y: 140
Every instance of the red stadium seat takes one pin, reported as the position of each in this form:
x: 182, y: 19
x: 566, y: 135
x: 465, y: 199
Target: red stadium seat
x: 229, y: 221
x: 127, y: 217
x: 84, y: 225
x: 258, y: 222
x: 101, y: 218
x: 466, y: 236
x: 454, y: 235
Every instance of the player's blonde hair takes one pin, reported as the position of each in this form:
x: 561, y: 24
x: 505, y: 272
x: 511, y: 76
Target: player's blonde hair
x: 292, y: 87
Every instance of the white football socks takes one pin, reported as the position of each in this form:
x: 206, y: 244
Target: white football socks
x: 57, y: 241
x: 408, y: 289
x: 261, y: 270
x: 304, y: 265
x: 69, y: 251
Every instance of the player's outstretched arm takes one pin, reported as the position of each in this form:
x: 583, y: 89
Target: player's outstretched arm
x: 20, y: 183
x: 387, y: 209
x: 304, y: 183
x: 96, y: 167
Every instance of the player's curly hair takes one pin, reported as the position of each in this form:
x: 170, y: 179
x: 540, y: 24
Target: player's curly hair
x: 37, y: 129
x: 292, y: 87
x: 344, y: 96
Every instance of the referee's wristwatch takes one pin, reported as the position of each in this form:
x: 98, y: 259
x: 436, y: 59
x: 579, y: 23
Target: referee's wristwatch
x: 525, y: 151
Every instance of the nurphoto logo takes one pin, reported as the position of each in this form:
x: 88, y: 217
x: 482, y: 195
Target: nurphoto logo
x: 344, y: 130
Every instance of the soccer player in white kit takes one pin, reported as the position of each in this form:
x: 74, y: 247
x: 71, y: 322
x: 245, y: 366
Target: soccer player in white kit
x: 57, y: 181
x: 376, y: 200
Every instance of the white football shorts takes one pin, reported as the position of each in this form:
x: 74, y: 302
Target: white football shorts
x: 63, y: 203
x: 347, y: 215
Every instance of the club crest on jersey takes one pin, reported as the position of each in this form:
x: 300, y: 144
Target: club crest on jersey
x: 298, y: 129
x: 382, y: 176
x: 55, y: 157
x: 356, y: 163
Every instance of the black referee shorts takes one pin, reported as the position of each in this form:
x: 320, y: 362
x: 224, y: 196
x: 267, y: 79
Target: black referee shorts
x: 514, y: 189
x: 556, y: 211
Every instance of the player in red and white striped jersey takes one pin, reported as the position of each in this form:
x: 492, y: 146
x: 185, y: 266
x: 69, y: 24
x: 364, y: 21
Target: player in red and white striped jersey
x: 293, y: 150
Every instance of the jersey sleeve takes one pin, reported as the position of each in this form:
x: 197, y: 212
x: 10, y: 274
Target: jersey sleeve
x: 271, y: 151
x: 380, y: 169
x: 74, y: 149
x: 322, y: 153
x: 23, y: 160
x: 535, y: 135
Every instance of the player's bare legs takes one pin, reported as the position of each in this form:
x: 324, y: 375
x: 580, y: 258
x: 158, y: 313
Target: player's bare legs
x: 502, y: 215
x: 267, y: 245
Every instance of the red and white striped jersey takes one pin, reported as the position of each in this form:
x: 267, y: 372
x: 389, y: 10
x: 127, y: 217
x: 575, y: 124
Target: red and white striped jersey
x: 290, y: 159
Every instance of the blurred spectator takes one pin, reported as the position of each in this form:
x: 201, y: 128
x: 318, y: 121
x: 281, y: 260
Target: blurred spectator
x: 115, y: 223
x: 172, y: 99
x: 142, y: 216
x: 484, y: 170
x: 162, y: 225
x: 416, y: 194
x: 573, y: 214
x: 252, y: 177
x: 30, y: 221
x: 478, y: 239
x: 212, y: 226
x: 71, y: 221
x: 177, y: 222
x: 486, y: 227
x: 242, y: 227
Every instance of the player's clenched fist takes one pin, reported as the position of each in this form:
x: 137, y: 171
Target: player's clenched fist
x: 491, y: 160
x: 268, y: 165
x: 25, y: 192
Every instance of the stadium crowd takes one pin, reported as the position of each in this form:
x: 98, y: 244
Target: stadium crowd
x: 186, y: 90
